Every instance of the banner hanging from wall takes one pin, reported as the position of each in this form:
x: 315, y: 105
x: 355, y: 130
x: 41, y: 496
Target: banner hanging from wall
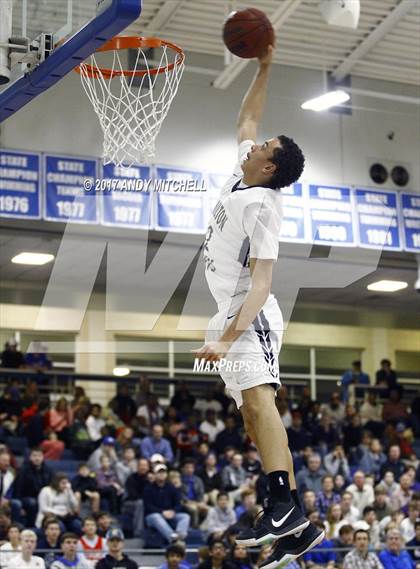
x: 410, y: 221
x: 377, y: 219
x: 330, y: 215
x: 68, y: 188
x: 293, y: 221
x: 126, y: 198
x: 20, y: 181
x: 66, y: 197
x: 180, y: 200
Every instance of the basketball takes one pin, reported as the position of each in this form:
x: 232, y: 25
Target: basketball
x: 248, y: 33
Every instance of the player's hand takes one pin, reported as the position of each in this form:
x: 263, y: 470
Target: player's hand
x: 212, y: 351
x: 267, y: 57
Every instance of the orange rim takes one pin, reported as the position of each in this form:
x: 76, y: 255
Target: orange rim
x: 131, y: 42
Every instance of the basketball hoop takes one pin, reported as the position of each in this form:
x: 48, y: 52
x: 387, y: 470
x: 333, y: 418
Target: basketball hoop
x: 132, y: 104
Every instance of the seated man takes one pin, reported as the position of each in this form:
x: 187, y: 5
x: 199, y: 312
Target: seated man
x: 133, y: 499
x: 33, y: 475
x: 343, y: 542
x: 220, y: 517
x: 308, y: 501
x: 361, y: 491
x: 393, y: 556
x: 162, y: 507
x: 193, y: 493
x: 70, y: 558
x: 115, y: 556
x: 217, y: 557
x: 360, y: 557
x: 49, y: 542
x: 26, y: 558
x: 157, y: 444
x: 175, y: 557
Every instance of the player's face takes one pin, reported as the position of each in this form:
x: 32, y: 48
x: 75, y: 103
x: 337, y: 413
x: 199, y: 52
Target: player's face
x: 259, y: 158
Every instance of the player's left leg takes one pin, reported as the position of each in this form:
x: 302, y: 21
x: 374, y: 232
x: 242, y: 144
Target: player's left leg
x: 282, y: 517
x: 249, y: 427
x: 295, y: 535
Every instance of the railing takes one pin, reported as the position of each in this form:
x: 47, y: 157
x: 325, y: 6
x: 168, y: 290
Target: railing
x: 61, y: 383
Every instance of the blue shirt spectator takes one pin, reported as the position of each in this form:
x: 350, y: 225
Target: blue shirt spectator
x: 353, y: 377
x: 156, y: 444
x: 393, y: 557
x: 37, y: 360
x: 391, y: 560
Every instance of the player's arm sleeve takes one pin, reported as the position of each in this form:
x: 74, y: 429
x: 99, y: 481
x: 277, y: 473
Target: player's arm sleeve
x: 243, y: 149
x: 262, y: 226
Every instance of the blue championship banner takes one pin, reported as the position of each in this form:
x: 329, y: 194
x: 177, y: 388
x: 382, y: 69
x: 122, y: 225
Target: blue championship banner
x: 377, y: 219
x: 410, y: 221
x: 180, y: 204
x: 125, y: 198
x: 293, y: 220
x: 65, y: 195
x: 20, y: 174
x: 330, y: 215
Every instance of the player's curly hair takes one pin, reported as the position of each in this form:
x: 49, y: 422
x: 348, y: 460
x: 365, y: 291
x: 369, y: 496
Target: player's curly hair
x: 290, y: 162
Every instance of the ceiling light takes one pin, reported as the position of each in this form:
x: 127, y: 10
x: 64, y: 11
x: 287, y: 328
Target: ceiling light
x: 326, y: 101
x: 342, y: 13
x: 121, y: 371
x: 387, y: 286
x: 27, y: 258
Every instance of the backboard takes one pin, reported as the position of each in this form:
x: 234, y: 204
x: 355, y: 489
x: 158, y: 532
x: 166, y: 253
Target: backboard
x: 43, y: 40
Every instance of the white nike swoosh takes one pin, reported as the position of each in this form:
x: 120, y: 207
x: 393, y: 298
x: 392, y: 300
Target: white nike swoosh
x: 281, y: 522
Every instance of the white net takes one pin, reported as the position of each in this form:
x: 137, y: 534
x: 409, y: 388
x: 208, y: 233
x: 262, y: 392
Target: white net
x: 131, y: 108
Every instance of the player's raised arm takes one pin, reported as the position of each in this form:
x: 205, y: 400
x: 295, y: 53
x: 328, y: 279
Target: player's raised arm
x: 252, y: 107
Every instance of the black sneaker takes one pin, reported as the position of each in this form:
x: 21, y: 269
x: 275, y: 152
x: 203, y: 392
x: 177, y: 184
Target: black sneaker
x: 290, y: 548
x: 275, y: 521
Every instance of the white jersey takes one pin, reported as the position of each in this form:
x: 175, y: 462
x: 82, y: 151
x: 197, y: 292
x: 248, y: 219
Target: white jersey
x: 35, y: 562
x: 245, y: 224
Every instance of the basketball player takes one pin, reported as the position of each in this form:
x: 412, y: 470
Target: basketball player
x: 245, y: 335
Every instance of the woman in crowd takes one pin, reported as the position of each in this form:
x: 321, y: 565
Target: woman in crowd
x: 61, y: 419
x: 334, y: 521
x: 59, y: 499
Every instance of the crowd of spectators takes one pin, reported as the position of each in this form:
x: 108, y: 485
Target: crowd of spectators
x: 190, y: 465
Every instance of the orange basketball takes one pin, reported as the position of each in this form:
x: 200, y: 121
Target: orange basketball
x: 248, y: 33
